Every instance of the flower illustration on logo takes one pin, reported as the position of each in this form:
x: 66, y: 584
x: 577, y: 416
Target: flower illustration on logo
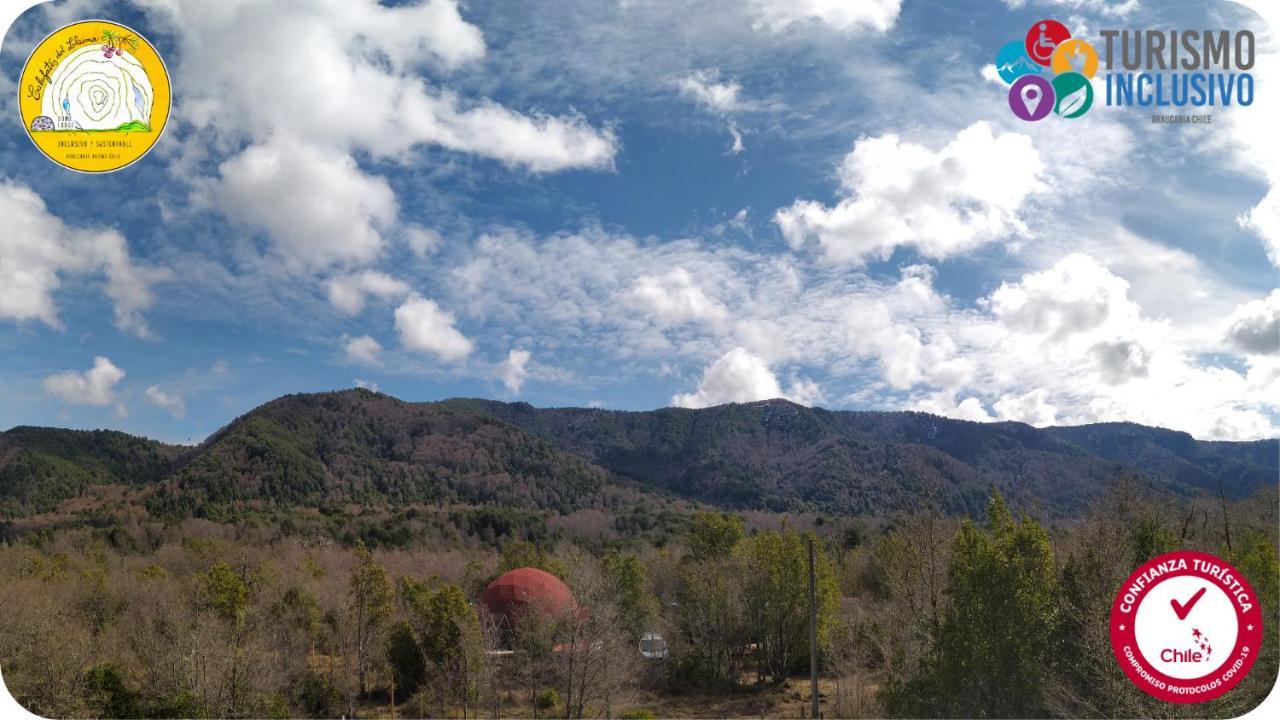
x: 1064, y: 90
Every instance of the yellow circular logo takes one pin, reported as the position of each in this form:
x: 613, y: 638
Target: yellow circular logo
x: 94, y: 96
x: 1075, y: 55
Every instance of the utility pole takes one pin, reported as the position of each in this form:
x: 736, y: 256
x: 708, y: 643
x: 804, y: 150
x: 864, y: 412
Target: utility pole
x: 813, y: 635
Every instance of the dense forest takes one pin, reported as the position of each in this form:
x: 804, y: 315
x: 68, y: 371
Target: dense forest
x: 325, y: 556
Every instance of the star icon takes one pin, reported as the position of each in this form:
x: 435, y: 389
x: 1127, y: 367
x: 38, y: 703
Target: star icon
x: 1122, y: 627
x: 1250, y: 628
x: 1195, y: 632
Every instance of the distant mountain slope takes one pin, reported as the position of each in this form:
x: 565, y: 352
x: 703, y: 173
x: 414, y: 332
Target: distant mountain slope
x: 359, y: 446
x: 781, y: 455
x: 41, y: 467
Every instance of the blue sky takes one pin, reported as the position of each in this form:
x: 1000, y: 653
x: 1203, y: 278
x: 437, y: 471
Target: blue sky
x: 639, y: 204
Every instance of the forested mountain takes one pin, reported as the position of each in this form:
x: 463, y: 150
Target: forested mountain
x: 360, y: 446
x: 41, y: 467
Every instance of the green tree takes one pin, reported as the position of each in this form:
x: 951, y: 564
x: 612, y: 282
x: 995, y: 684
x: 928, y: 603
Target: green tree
x: 225, y: 593
x: 372, y: 598
x: 628, y: 578
x: 109, y: 694
x: 993, y: 646
x: 405, y: 658
x: 448, y: 636
x: 709, y: 597
x: 713, y: 536
x: 775, y: 583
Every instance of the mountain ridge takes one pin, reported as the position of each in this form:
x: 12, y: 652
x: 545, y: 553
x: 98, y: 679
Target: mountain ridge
x: 365, y: 447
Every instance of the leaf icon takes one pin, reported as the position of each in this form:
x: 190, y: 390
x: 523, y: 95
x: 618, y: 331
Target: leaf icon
x: 1069, y: 104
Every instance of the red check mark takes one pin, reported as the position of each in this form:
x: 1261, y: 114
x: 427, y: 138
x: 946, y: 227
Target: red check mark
x: 1183, y: 609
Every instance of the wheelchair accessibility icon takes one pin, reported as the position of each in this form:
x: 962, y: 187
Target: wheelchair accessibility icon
x: 1043, y: 38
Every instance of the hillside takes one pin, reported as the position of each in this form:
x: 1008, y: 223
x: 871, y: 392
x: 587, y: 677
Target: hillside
x: 359, y: 446
x: 362, y: 447
x: 780, y: 455
x: 41, y: 467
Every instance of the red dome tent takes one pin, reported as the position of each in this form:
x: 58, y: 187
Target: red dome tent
x: 520, y: 592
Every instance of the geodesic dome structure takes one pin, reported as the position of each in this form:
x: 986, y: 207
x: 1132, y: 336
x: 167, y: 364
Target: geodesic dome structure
x: 524, y: 591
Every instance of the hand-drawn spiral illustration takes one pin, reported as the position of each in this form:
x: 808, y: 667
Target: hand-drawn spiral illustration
x: 99, y: 87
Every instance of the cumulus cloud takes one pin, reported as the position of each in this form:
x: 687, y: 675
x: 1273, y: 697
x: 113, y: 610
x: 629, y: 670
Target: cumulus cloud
x: 1077, y: 294
x: 1121, y: 360
x: 317, y: 206
x: 37, y: 250
x: 1254, y: 327
x: 91, y: 387
x: 349, y: 80
x: 738, y: 376
x: 348, y: 293
x: 848, y: 17
x: 171, y: 403
x: 514, y: 370
x: 362, y: 350
x: 1031, y: 408
x: 425, y: 327
x: 902, y: 194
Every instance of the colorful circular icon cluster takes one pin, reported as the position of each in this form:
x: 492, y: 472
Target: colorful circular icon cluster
x: 1065, y: 90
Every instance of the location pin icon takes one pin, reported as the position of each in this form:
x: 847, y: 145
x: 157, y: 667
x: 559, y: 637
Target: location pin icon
x: 1031, y: 98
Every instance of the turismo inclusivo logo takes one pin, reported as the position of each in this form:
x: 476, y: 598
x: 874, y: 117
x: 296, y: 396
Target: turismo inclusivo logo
x: 1048, y: 72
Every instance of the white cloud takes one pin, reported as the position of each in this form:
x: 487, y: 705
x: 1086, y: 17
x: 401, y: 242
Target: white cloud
x: 91, y: 387
x: 944, y: 403
x: 347, y: 293
x: 1071, y: 326
x: 1030, y: 408
x: 1076, y: 295
x: 902, y: 194
x: 1251, y: 134
x: 1264, y: 219
x: 424, y: 327
x: 367, y: 385
x: 422, y: 241
x: 1109, y: 8
x: 37, y: 249
x: 350, y: 79
x: 703, y: 88
x: 541, y: 143
x: 362, y: 350
x: 170, y: 402
x: 842, y: 15
x: 740, y: 376
x: 674, y: 297
x: 737, y: 147
x: 318, y: 207
x: 1254, y: 328
x: 724, y: 98
x: 514, y: 370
